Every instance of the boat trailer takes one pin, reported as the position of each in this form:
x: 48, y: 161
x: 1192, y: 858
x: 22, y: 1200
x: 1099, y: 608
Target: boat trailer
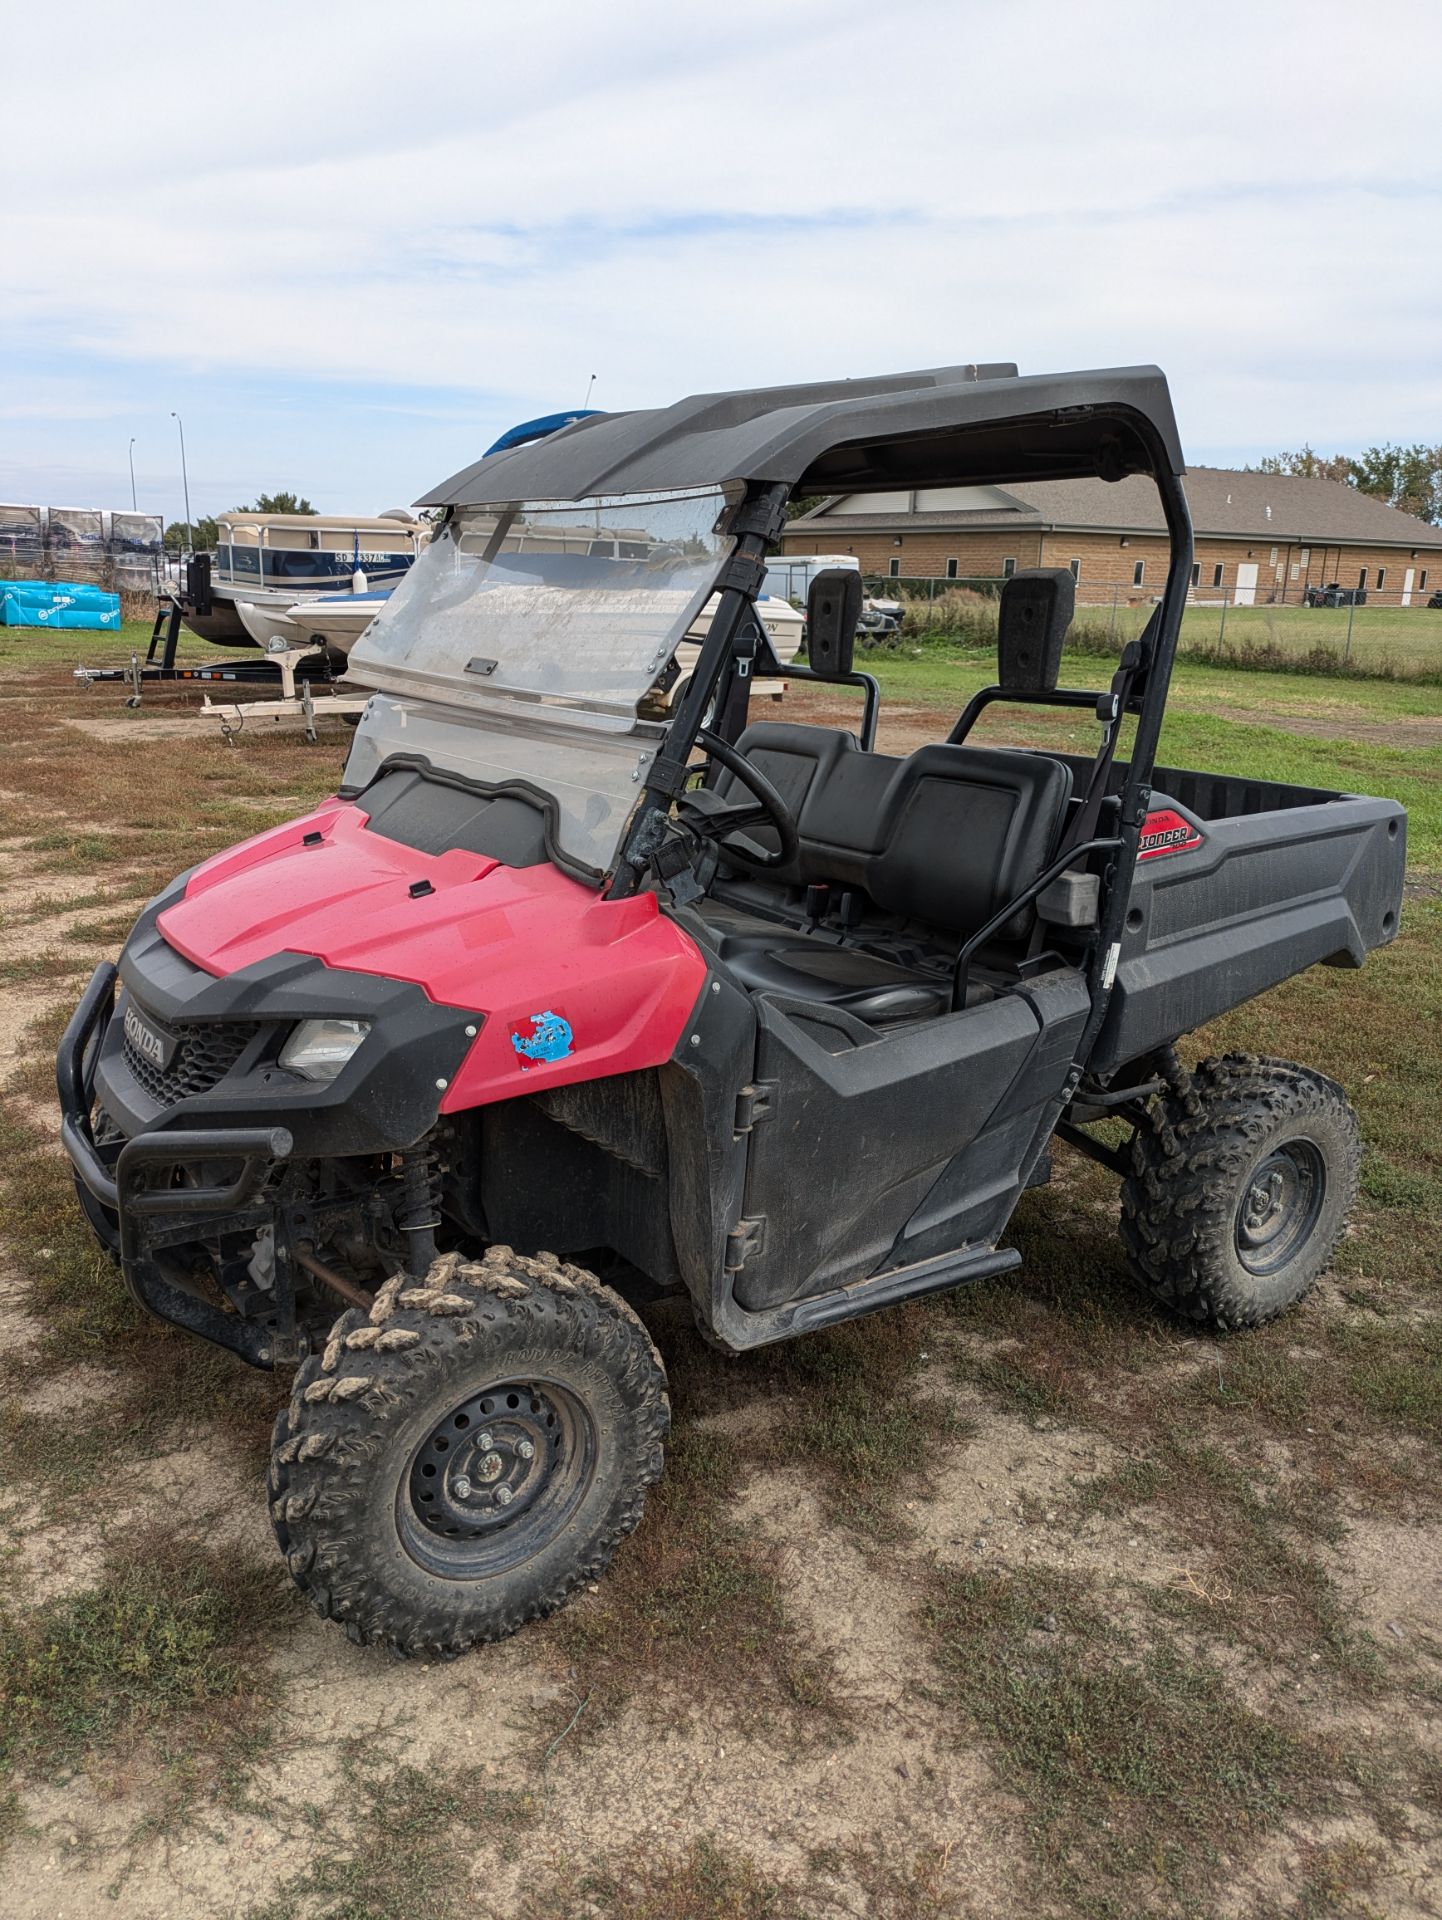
x: 294, y: 671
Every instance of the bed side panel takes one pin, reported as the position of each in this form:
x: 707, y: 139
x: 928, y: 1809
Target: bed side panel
x: 1263, y: 897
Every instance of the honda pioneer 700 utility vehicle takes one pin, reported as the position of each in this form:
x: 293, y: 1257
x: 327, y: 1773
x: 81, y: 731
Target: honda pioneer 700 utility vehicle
x: 552, y: 1008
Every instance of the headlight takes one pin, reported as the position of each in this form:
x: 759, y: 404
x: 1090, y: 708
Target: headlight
x: 318, y: 1049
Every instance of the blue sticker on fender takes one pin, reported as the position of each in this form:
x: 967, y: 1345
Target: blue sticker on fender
x: 550, y: 1038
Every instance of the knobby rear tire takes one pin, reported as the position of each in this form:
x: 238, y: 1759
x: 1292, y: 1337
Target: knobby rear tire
x: 1194, y: 1218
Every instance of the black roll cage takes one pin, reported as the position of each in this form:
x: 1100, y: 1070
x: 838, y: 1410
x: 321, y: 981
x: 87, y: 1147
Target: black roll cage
x: 757, y: 521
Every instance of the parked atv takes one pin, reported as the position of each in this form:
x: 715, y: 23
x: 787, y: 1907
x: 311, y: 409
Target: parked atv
x: 552, y: 1009
x: 1335, y: 595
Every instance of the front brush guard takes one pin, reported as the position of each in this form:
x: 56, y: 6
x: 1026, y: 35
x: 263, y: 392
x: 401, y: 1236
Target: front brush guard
x: 120, y: 1189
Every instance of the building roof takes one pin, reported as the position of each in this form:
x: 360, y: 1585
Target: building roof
x: 1225, y: 504
x: 934, y: 427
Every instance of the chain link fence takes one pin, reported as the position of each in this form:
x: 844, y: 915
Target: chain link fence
x: 1389, y: 632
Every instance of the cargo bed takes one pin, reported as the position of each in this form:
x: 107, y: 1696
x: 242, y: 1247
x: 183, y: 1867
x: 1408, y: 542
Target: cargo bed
x: 1247, y: 883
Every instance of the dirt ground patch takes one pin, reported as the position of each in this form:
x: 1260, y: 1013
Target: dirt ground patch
x: 218, y: 721
x: 1067, y: 1577
x: 1418, y: 733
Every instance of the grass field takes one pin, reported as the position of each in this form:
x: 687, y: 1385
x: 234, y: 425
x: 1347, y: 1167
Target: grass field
x: 1410, y: 637
x: 1392, y: 640
x: 1022, y: 1603
x: 24, y: 649
x: 1357, y: 736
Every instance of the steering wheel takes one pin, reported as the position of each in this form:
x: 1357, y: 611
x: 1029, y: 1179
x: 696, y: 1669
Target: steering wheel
x: 712, y: 818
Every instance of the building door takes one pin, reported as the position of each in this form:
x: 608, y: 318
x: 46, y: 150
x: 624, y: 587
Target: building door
x: 1407, y: 579
x: 1246, y: 593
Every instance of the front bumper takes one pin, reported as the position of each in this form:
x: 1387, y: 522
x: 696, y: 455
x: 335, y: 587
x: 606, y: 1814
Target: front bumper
x: 134, y: 1213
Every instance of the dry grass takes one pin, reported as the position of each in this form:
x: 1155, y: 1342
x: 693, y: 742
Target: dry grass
x: 163, y: 1654
x: 708, y: 1881
x: 1155, y: 1744
x: 692, y: 1614
x: 1145, y: 1778
x: 164, y: 1383
x: 405, y: 1843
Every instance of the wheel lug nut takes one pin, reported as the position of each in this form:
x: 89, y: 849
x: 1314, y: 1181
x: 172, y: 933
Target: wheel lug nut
x: 461, y: 1487
x: 525, y: 1449
x: 504, y: 1496
x: 483, y: 1441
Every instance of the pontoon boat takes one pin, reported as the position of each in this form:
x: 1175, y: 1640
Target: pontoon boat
x: 265, y: 562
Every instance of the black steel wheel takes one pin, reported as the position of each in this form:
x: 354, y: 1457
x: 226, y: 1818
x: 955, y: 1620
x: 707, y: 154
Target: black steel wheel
x: 496, y: 1477
x: 1280, y: 1205
x: 1233, y: 1210
x: 461, y: 1458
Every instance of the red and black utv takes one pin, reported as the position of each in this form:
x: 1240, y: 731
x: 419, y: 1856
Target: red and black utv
x: 552, y: 1008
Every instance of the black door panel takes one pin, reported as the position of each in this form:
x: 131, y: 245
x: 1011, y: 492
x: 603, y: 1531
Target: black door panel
x: 858, y: 1137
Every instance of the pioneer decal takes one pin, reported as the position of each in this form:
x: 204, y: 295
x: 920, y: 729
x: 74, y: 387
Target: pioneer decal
x: 1166, y: 831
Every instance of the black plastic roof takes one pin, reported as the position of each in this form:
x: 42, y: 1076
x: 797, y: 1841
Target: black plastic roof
x: 942, y: 426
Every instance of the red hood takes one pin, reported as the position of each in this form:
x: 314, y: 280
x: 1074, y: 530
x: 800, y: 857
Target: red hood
x: 512, y: 943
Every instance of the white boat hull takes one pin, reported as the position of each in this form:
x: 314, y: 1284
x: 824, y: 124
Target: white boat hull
x: 785, y: 628
x: 334, y: 621
x: 270, y: 626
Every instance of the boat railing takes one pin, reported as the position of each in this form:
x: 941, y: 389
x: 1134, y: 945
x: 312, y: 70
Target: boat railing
x: 262, y: 564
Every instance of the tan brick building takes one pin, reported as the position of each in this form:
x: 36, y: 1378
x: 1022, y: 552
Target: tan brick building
x: 1261, y: 538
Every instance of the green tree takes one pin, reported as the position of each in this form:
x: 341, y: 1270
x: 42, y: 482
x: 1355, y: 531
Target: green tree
x: 1409, y: 478
x: 279, y: 503
x: 1310, y: 465
x: 203, y: 533
x: 1405, y: 477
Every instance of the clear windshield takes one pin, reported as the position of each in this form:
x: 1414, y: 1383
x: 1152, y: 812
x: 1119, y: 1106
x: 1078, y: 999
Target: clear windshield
x: 522, y: 641
x: 577, y: 606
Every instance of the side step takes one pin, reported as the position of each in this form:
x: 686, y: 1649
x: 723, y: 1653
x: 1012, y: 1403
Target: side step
x: 738, y: 1329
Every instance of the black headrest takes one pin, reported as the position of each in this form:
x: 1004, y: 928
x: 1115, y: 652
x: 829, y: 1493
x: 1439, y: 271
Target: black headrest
x: 1033, y: 615
x: 833, y: 607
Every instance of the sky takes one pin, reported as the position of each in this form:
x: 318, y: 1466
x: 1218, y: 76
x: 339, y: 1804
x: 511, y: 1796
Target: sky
x: 350, y: 243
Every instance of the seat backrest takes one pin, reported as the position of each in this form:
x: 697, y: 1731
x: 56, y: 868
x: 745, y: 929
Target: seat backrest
x: 793, y: 759
x: 970, y: 828
x: 945, y: 836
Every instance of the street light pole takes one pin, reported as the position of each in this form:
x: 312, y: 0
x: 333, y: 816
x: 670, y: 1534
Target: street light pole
x: 184, y: 476
x: 131, y: 451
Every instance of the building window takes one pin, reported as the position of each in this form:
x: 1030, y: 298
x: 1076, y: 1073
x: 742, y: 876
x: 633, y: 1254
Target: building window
x: 1196, y: 573
x: 1306, y: 556
x: 1075, y: 566
x: 893, y: 567
x: 1139, y: 573
x: 1217, y: 574
x: 951, y: 569
x: 1274, y: 556
x: 1422, y: 580
x: 1362, y: 578
x: 1008, y: 567
x: 1381, y: 578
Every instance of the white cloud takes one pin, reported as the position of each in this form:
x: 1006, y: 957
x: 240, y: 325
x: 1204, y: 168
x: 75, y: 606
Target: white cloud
x: 501, y: 201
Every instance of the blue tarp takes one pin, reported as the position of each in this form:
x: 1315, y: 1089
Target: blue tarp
x: 41, y: 603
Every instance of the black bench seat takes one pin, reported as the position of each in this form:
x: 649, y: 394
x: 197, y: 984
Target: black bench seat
x: 941, y: 839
